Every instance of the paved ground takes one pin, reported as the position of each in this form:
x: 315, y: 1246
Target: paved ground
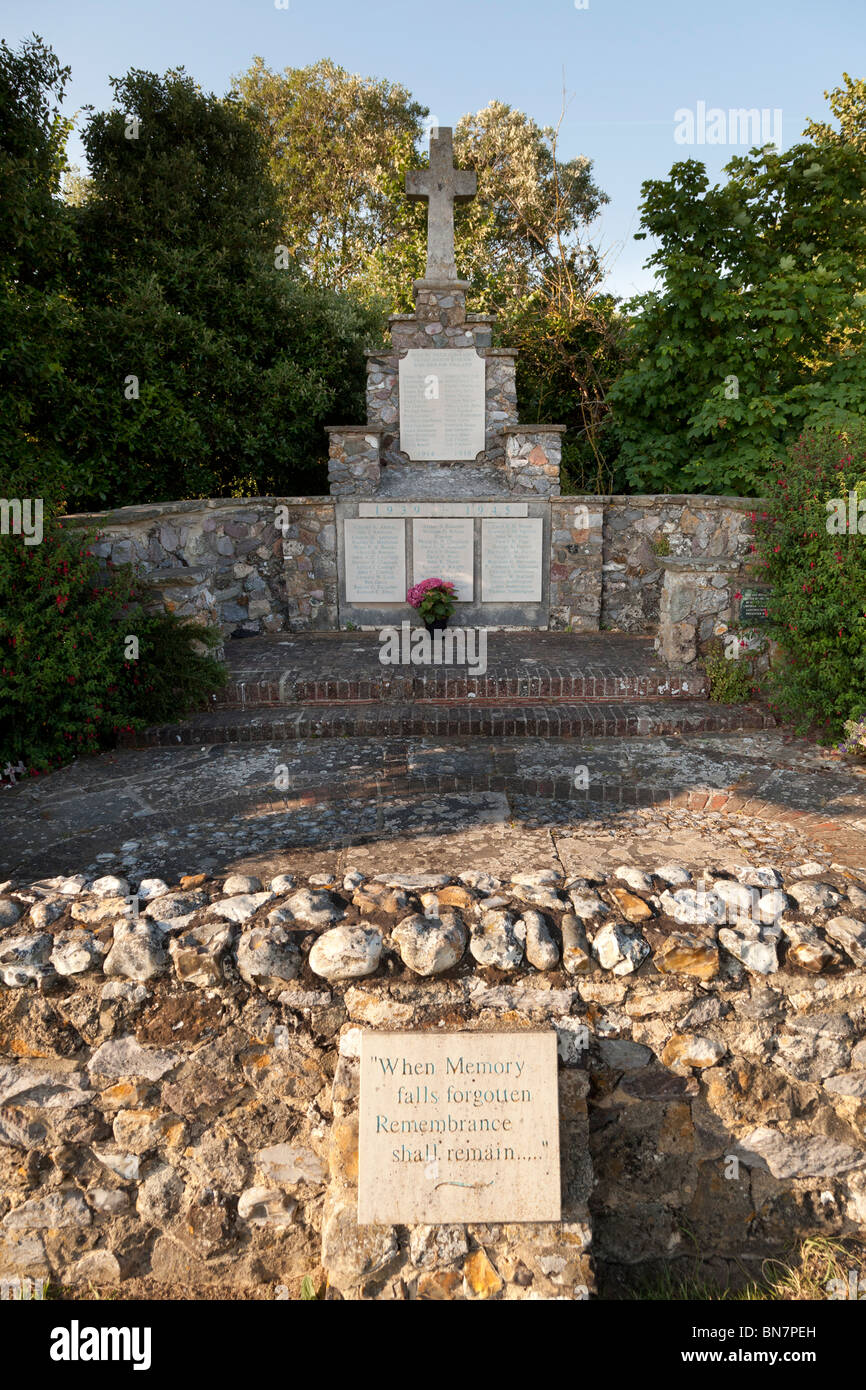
x: 470, y: 803
x: 376, y: 781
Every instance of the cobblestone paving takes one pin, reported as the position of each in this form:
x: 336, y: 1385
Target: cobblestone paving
x: 322, y: 805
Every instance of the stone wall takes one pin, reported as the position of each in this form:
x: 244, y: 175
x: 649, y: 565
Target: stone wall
x: 265, y: 564
x: 639, y: 531
x: 178, y: 1088
x: 697, y: 604
x: 259, y: 564
x: 354, y: 460
x: 576, y: 558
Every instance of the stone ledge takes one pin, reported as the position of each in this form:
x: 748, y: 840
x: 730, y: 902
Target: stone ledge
x: 144, y: 511
x: 654, y: 499
x: 356, y: 429
x: 702, y: 563
x: 533, y: 429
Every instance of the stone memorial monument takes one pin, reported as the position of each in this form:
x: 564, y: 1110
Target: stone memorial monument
x: 443, y: 480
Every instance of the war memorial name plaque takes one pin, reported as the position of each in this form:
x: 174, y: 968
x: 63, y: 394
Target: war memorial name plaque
x: 444, y: 546
x: 441, y: 404
x: 375, y: 560
x: 511, y: 561
x: 458, y: 1127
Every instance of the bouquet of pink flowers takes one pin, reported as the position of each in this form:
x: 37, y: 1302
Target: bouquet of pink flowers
x: 434, y: 599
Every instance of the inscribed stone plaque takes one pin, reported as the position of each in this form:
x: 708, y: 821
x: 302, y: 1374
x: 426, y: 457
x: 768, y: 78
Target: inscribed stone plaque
x: 443, y: 508
x: 442, y: 403
x: 375, y: 560
x: 511, y: 555
x: 444, y: 550
x: 753, y: 606
x: 458, y: 1127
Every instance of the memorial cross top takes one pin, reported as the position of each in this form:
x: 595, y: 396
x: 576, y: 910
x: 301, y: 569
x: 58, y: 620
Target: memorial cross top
x: 443, y: 186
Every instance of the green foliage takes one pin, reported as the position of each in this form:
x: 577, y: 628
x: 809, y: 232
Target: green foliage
x: 172, y: 675
x: 65, y: 685
x: 848, y: 104
x: 568, y: 358
x: 238, y: 363
x: 732, y: 680
x: 524, y: 233
x: 339, y: 147
x: 36, y: 247
x: 436, y: 604
x: 818, y: 573
x: 757, y: 330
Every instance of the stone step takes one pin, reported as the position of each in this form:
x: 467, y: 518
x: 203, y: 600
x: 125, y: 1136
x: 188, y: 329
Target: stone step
x: 446, y: 686
x: 551, y: 668
x: 473, y: 719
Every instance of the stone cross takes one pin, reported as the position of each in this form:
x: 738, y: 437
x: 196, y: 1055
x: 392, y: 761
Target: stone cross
x: 443, y: 186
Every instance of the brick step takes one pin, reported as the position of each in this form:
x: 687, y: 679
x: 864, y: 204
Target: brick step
x: 335, y: 668
x: 446, y: 687
x: 474, y: 719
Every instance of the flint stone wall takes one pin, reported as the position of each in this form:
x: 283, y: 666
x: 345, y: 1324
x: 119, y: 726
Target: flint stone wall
x: 252, y: 573
x: 178, y: 1092
x: 607, y: 556
x: 640, y: 531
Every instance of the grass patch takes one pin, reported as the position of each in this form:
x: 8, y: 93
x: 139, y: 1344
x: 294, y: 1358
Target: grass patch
x: 818, y: 1269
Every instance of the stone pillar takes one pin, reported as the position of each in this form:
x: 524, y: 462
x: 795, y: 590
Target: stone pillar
x: 501, y: 389
x: 310, y: 556
x: 354, y: 466
x: 576, y: 554
x: 532, y: 458
x: 383, y: 390
x: 440, y: 320
x: 697, y: 604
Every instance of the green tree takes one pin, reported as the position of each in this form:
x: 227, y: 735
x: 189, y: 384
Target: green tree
x: 205, y: 363
x: 526, y: 231
x: 67, y: 685
x: 338, y: 148
x: 809, y: 547
x: 36, y: 251
x: 848, y: 104
x: 757, y: 329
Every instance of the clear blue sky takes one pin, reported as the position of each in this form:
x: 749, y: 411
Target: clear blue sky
x: 627, y: 66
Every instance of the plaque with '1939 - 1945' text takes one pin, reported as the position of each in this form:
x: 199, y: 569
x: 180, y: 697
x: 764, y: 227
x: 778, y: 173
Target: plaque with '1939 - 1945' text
x: 458, y: 1127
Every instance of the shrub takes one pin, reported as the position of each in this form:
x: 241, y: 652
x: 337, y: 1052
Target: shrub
x: 66, y: 686
x: 732, y: 681
x: 816, y: 563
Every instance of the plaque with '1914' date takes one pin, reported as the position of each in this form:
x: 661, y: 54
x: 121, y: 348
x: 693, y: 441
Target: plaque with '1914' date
x: 458, y: 1127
